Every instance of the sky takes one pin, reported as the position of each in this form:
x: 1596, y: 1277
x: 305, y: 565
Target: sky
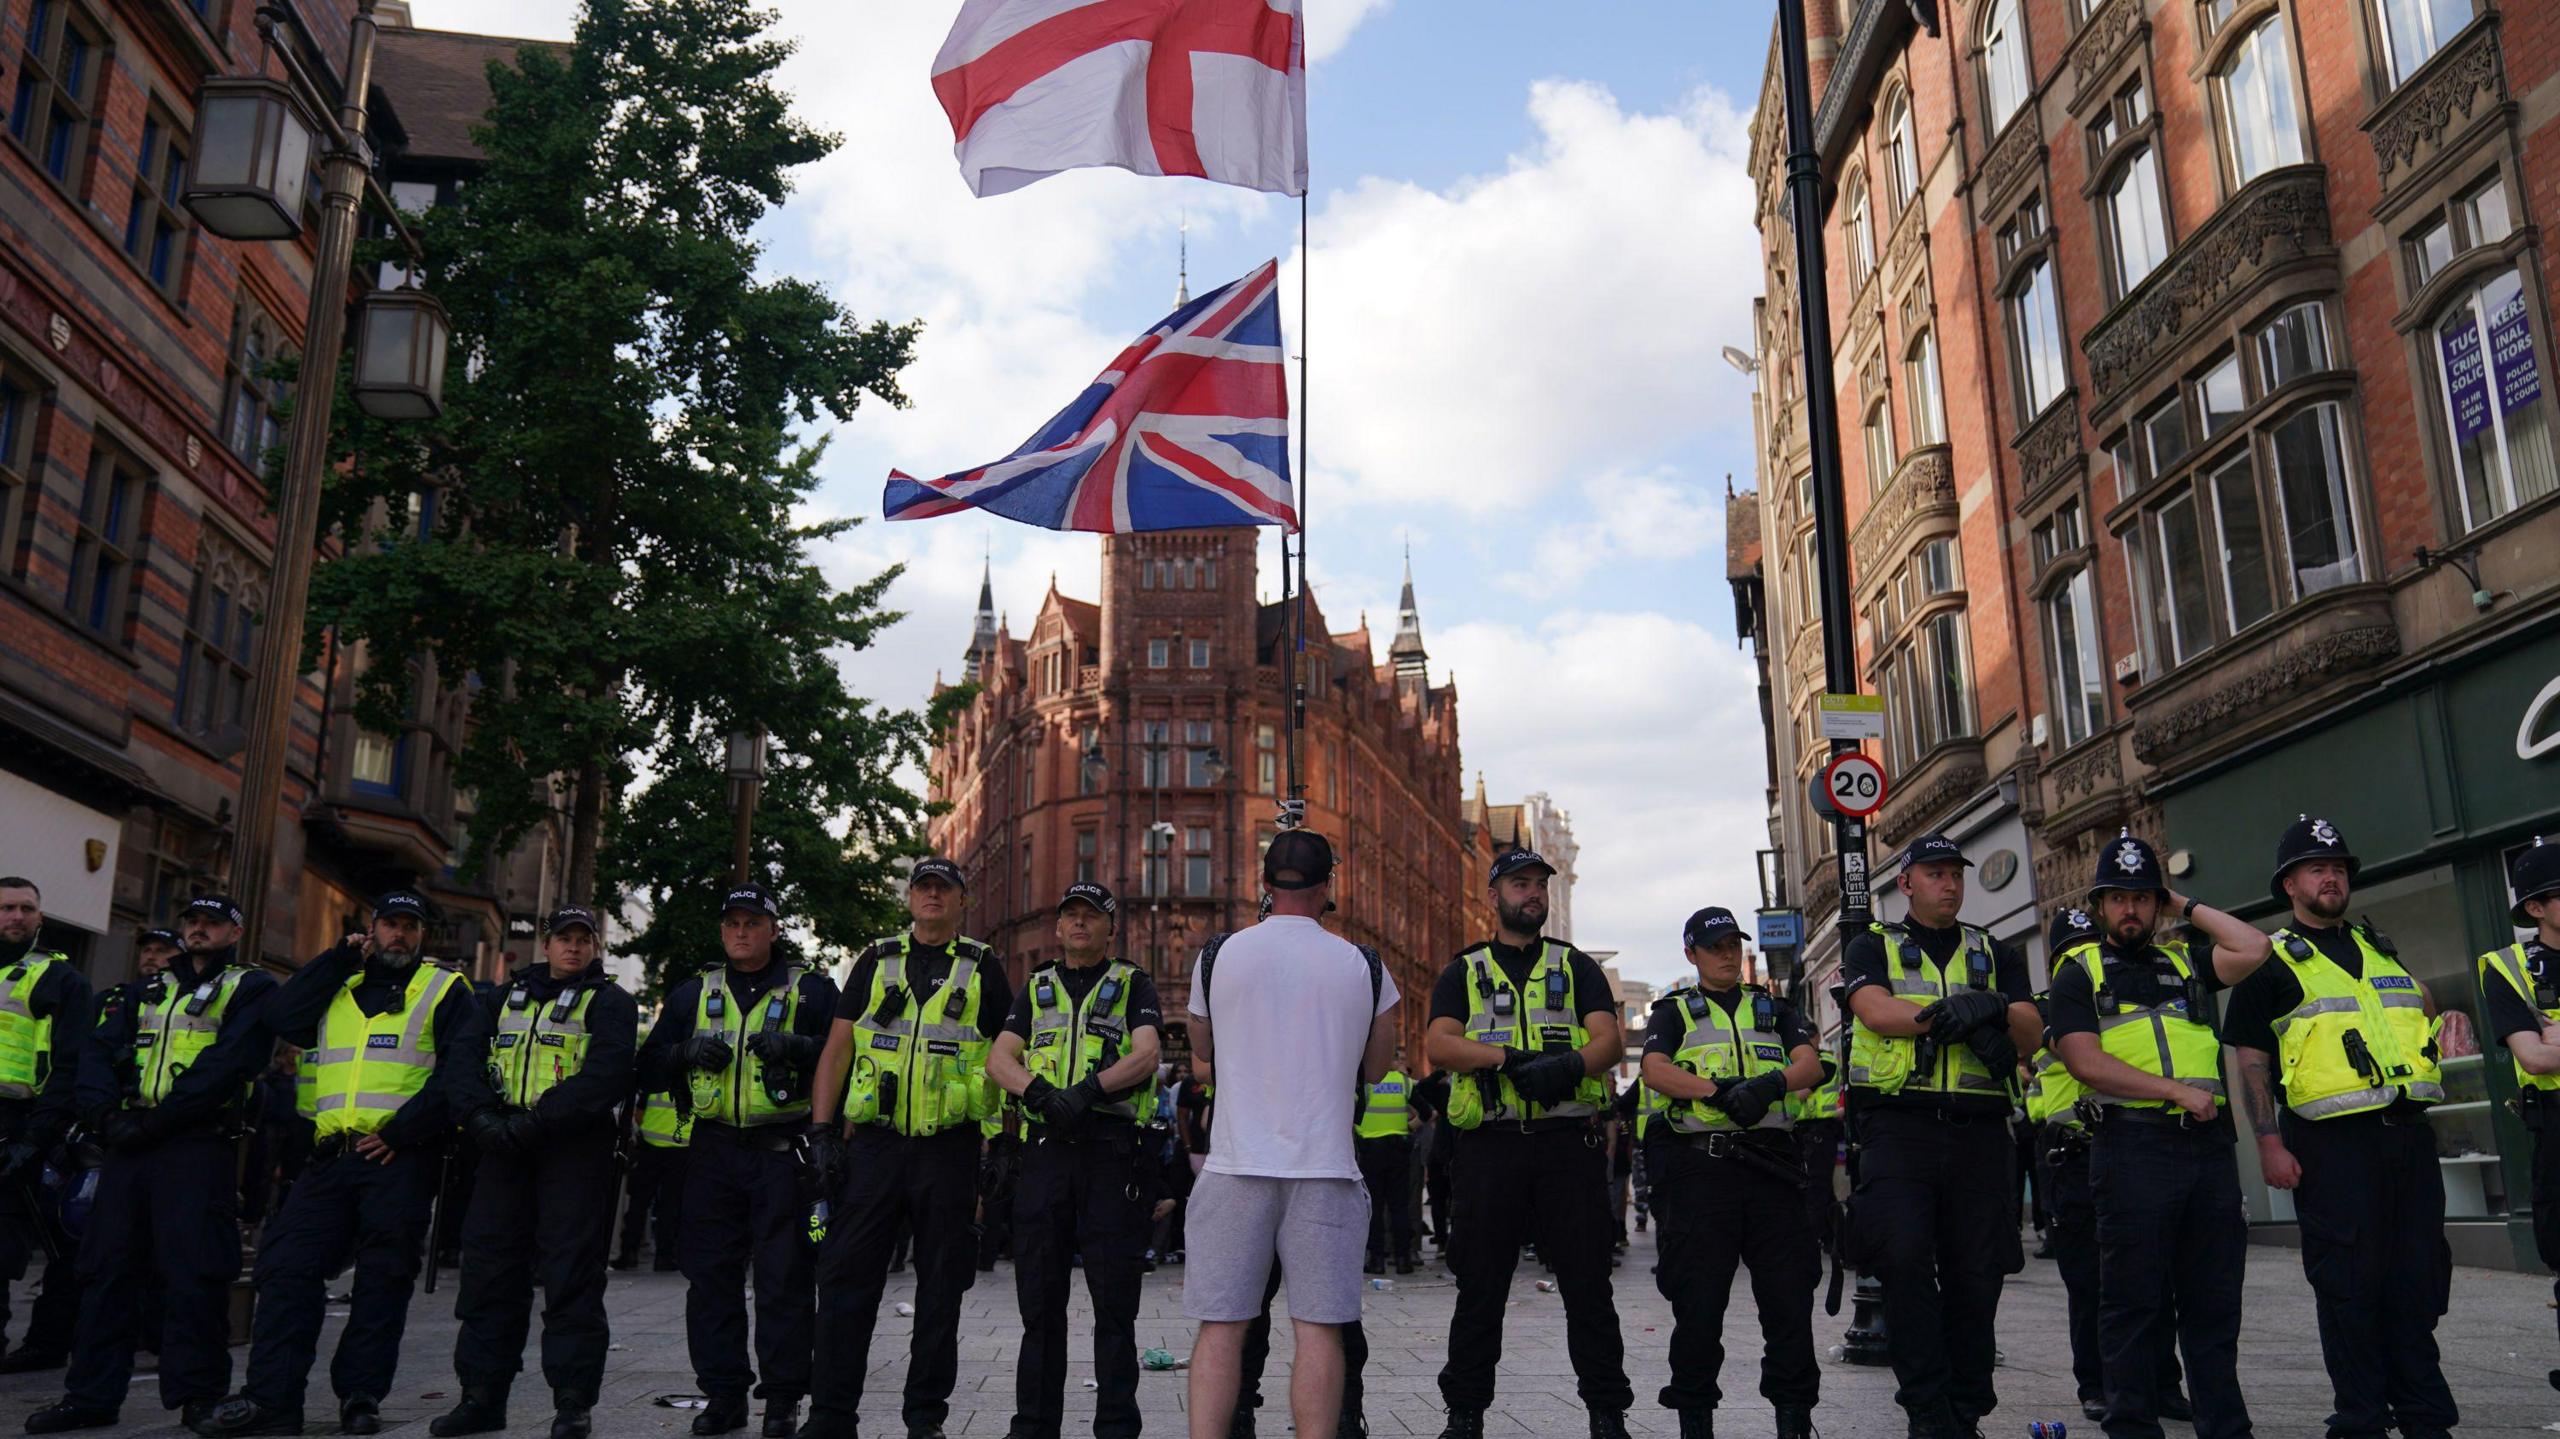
x: 1531, y: 235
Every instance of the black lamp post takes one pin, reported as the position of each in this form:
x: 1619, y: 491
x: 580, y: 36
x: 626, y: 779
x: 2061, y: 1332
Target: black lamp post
x: 746, y: 769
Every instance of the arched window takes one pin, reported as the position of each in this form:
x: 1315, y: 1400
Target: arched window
x: 1901, y: 152
x: 1861, y: 233
x: 2004, y: 62
x: 1921, y: 390
x: 2261, y: 124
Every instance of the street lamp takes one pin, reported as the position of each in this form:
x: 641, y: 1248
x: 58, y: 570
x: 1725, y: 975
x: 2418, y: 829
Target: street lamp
x: 254, y: 140
x: 746, y: 783
x: 401, y: 338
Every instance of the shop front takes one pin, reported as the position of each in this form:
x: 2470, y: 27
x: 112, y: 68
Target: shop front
x: 2435, y: 779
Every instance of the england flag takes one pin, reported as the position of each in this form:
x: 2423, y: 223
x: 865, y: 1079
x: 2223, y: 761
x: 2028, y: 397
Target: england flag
x: 1214, y: 88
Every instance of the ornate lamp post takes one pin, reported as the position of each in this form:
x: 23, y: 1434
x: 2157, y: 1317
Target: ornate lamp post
x: 746, y: 784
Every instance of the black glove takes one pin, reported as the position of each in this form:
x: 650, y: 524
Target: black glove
x: 1087, y: 1095
x: 492, y: 1131
x: 1746, y: 1101
x: 18, y: 1158
x: 706, y: 1051
x: 1954, y: 1019
x: 1054, y: 1105
x: 781, y: 1046
x: 1997, y: 1051
x: 524, y: 1131
x: 827, y: 1154
x: 123, y: 1132
x: 1546, y: 1078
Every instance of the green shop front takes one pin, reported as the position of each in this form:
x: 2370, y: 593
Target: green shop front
x: 2436, y: 779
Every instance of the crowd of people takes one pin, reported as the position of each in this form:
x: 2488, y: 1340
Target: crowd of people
x: 800, y: 1133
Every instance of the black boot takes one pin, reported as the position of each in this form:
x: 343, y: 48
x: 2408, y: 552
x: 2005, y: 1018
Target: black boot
x: 62, y: 1414
x: 1697, y: 1424
x: 1608, y: 1424
x: 781, y: 1418
x: 483, y: 1410
x: 572, y: 1414
x: 1795, y: 1421
x: 2175, y: 1405
x: 724, y: 1414
x: 361, y: 1414
x: 1464, y: 1424
x: 33, y: 1359
x: 241, y: 1416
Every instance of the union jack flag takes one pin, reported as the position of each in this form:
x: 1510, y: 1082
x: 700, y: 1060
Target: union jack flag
x: 1187, y: 429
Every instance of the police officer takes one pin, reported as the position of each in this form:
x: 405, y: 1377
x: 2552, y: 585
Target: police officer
x: 1527, y: 1026
x: 165, y: 1084
x: 738, y: 1045
x: 902, y: 1093
x: 1079, y: 1049
x: 561, y: 1058
x: 153, y: 949
x: 2062, y: 1153
x: 2346, y: 1130
x: 2520, y: 991
x: 45, y: 1009
x: 1938, y: 1018
x: 2133, y: 1019
x: 653, y: 1200
x: 1382, y: 1139
x: 390, y: 1039
x: 1727, y: 1180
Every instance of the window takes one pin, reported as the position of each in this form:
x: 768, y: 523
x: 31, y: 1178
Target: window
x: 2260, y: 124
x: 2058, y: 535
x: 1861, y: 233
x: 1199, y: 654
x: 1159, y: 654
x: 213, y: 671
x: 1198, y: 738
x: 1879, y: 438
x: 103, y: 545
x: 2412, y: 30
x: 1266, y: 759
x: 2489, y: 384
x: 18, y: 400
x: 1935, y: 568
x: 379, y: 764
x: 1155, y: 874
x: 1147, y: 575
x: 2120, y: 457
x: 1927, y: 692
x: 1197, y: 862
x: 1901, y: 153
x: 2004, y: 62
x: 2035, y: 337
x: 2245, y: 594
x: 1088, y: 845
x: 2313, y: 502
x: 2220, y: 398
x: 2430, y: 249
x: 156, y: 228
x: 50, y: 111
x: 2072, y: 657
x: 2484, y: 214
x: 1209, y: 576
x: 1920, y: 384
x: 2137, y: 237
x: 1806, y: 572
x: 2295, y: 343
x: 2182, y: 580
x: 1156, y: 737
x: 2164, y: 435
x: 249, y: 423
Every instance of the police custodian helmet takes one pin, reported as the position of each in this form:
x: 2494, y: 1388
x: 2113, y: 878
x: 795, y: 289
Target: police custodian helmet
x: 2128, y: 863
x: 2309, y: 839
x: 2536, y: 876
x: 2071, y: 928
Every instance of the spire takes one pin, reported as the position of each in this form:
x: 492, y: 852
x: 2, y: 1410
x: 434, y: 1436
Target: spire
x: 1412, y: 663
x: 982, y: 637
x: 1182, y: 282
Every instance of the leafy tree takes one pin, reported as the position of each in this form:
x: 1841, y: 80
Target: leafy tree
x: 617, y: 558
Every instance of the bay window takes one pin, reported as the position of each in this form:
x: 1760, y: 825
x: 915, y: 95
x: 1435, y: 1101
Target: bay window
x: 1920, y: 383
x: 2261, y: 125
x: 2413, y: 30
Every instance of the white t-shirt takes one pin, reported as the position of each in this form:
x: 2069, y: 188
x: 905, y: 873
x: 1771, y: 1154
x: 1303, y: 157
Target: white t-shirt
x: 1289, y: 1017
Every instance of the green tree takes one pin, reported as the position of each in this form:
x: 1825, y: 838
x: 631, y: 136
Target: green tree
x: 617, y: 559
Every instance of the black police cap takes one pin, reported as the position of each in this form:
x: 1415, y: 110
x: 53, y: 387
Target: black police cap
x: 753, y: 898
x: 936, y: 867
x: 1934, y: 849
x: 401, y: 901
x: 1085, y: 891
x: 2071, y: 928
x: 571, y: 914
x: 2306, y: 839
x: 220, y: 906
x: 1710, y: 926
x: 1512, y: 861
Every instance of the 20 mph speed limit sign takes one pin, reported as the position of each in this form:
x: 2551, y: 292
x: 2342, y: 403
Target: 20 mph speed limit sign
x: 1854, y: 784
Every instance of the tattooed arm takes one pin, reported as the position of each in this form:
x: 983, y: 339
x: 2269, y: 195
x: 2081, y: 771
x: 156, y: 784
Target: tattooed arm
x: 2258, y: 1096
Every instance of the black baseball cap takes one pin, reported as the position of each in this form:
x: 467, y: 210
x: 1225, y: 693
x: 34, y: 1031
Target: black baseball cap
x: 168, y: 937
x: 753, y: 898
x: 218, y: 905
x: 1934, y: 849
x: 1710, y: 926
x: 1085, y: 891
x: 569, y: 914
x: 1515, y: 860
x: 936, y: 867
x: 400, y: 901
x: 1301, y: 852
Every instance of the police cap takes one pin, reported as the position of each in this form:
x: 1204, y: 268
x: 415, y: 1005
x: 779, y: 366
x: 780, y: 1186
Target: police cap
x: 2536, y: 876
x: 2308, y: 839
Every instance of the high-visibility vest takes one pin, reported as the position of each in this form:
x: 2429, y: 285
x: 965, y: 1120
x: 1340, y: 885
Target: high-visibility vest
x: 1887, y: 1065
x: 1820, y: 1102
x: 2166, y: 1039
x: 26, y: 1037
x: 919, y: 1062
x: 2508, y: 966
x: 1500, y: 1015
x: 173, y: 1025
x: 537, y: 1045
x: 746, y: 1091
x: 2382, y: 1014
x: 1727, y: 1048
x: 1071, y: 1040
x: 1388, y: 1111
x: 661, y: 1124
x: 367, y: 1066
x: 2053, y: 1092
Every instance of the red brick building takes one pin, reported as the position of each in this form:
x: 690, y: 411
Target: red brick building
x: 1140, y: 742
x: 136, y: 425
x: 2197, y: 426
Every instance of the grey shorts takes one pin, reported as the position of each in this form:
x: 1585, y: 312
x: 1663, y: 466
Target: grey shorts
x: 1238, y: 1225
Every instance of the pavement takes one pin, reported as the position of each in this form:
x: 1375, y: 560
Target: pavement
x: 2498, y: 1344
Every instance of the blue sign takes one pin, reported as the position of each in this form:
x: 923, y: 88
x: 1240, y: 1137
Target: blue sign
x: 1781, y: 928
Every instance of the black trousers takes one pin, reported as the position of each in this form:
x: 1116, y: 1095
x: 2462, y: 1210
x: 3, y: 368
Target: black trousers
x: 999, y: 1171
x: 1257, y: 1356
x: 2546, y: 1193
x: 165, y: 1221
x: 1719, y: 1213
x: 57, y: 1301
x: 1386, y: 1166
x: 746, y: 1204
x: 2371, y: 1205
x: 1082, y: 1196
x: 928, y: 1183
x: 653, y: 1197
x: 341, y: 1204
x: 1818, y: 1149
x: 2074, y: 1235
x: 546, y: 1216
x: 1550, y: 1187
x: 1435, y: 1193
x: 2173, y: 1244
x: 1937, y: 1215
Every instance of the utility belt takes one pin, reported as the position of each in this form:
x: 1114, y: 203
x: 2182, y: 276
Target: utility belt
x: 1101, y: 1132
x: 1939, y: 1111
x: 337, y: 1145
x: 2064, y: 1144
x: 2536, y: 1108
x: 2101, y: 1117
x: 1738, y: 1147
x: 1587, y: 1125
x: 771, y: 1138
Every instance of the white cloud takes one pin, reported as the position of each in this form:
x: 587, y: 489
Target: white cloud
x: 1479, y: 346
x: 1633, y: 517
x: 1646, y: 728
x: 1330, y: 23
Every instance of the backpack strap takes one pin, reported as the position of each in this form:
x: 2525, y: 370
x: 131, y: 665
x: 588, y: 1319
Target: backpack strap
x: 1377, y: 977
x: 1208, y: 967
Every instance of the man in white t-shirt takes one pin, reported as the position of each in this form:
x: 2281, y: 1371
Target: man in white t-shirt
x: 1287, y: 1022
